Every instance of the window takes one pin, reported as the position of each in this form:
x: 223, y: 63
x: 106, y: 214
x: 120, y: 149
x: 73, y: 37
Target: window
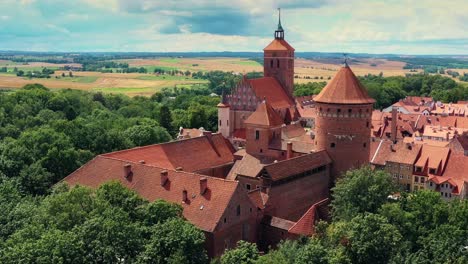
x: 416, y: 179
x: 332, y: 145
x: 225, y: 220
x: 430, y: 184
x: 277, y: 63
x: 247, y: 186
x: 441, y: 194
x: 401, y: 176
x: 367, y: 124
x: 432, y: 171
x: 422, y: 179
x: 350, y: 111
x: 257, y: 135
x: 271, y: 64
x: 364, y: 145
x: 238, y: 211
x: 418, y: 169
x: 338, y: 110
x: 261, y: 150
x: 220, y: 122
x: 445, y: 194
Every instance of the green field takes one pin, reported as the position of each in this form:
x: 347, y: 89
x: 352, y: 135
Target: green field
x: 125, y: 90
x: 151, y: 68
x: 166, y: 77
x: 247, y: 63
x: 79, y: 79
x: 170, y: 60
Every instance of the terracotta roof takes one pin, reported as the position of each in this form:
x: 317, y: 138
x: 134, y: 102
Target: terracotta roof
x: 264, y: 116
x: 278, y: 44
x: 250, y: 166
x: 285, y: 168
x: 277, y: 222
x: 433, y: 156
x: 204, y: 211
x: 270, y: 89
x: 258, y: 198
x: 239, y: 133
x: 344, y: 88
x: 191, y: 155
x: 306, y: 224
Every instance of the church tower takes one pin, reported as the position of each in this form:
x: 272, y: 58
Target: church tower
x: 342, y: 123
x: 278, y: 60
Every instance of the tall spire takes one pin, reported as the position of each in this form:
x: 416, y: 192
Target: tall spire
x: 279, y: 33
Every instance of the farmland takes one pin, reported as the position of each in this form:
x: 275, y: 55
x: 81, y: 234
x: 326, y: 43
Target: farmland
x: 306, y: 70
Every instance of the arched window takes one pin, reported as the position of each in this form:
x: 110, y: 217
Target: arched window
x: 277, y: 63
x: 271, y: 63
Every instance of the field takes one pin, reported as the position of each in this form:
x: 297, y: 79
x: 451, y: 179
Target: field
x: 146, y: 84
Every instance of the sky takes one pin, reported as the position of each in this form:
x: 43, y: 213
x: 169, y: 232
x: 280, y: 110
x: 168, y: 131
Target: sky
x: 351, y: 26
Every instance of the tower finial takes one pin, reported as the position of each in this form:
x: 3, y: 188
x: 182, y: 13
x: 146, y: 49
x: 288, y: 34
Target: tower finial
x: 279, y: 19
x: 345, y: 60
x: 279, y: 33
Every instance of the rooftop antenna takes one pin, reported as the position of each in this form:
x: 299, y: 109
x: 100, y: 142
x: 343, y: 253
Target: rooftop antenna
x: 279, y: 33
x: 345, y: 60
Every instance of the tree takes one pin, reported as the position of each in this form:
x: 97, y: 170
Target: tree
x: 142, y: 135
x: 174, y: 241
x: 244, y: 253
x: 359, y: 191
x: 165, y: 119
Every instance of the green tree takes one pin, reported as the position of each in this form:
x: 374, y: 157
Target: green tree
x: 359, y: 191
x: 244, y: 253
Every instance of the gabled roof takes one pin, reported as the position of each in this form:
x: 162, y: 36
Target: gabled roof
x: 344, y: 88
x: 278, y: 45
x: 264, y: 116
x: 285, y: 168
x: 204, y: 211
x: 306, y: 224
x: 270, y: 89
x: 433, y: 156
x: 191, y: 154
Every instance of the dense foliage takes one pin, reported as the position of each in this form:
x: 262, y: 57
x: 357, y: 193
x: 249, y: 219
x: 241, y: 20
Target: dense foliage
x: 369, y: 228
x: 45, y: 135
x: 109, y: 225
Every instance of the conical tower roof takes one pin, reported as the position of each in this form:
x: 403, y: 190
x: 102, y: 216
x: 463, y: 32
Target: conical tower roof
x: 344, y: 88
x: 264, y: 116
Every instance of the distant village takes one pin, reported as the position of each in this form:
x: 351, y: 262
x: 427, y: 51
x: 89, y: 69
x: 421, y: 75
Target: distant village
x: 266, y: 174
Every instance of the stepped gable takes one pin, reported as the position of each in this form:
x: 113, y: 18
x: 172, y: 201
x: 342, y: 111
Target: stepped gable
x: 344, y: 88
x: 264, y: 116
x: 270, y: 89
x: 204, y: 211
x: 278, y: 45
x: 191, y: 155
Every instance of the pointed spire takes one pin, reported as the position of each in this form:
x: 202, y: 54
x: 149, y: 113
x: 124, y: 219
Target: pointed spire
x: 280, y: 28
x: 279, y: 33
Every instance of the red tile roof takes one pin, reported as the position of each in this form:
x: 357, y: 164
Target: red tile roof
x: 270, y: 89
x: 258, y: 198
x: 306, y: 224
x: 264, y: 116
x: 344, y: 88
x: 191, y: 155
x: 277, y: 45
x: 285, y: 168
x: 434, y: 157
x: 204, y: 211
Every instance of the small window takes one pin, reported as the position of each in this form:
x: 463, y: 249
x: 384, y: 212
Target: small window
x: 364, y: 145
x: 225, y: 220
x: 257, y: 135
x: 261, y: 150
x: 339, y: 110
x: 238, y: 210
x: 430, y: 184
x: 367, y: 124
x: 271, y: 64
x: 220, y: 122
x: 247, y: 186
x: 277, y: 63
x: 227, y: 122
x: 350, y: 111
x: 332, y: 145
x: 422, y: 179
x: 416, y: 179
x: 432, y: 171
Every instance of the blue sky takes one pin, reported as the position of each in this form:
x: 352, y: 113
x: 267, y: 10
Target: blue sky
x: 372, y: 26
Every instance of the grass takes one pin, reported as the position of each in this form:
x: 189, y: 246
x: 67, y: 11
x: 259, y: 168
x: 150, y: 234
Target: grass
x: 170, y: 60
x: 125, y: 90
x: 79, y: 79
x: 165, y: 78
x: 246, y: 63
x: 151, y: 68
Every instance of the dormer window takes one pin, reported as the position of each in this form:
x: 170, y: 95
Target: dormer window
x: 432, y: 171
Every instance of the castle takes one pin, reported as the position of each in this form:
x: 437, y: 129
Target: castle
x: 263, y: 177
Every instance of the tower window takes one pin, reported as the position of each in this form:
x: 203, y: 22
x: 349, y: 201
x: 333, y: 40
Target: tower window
x: 339, y: 110
x: 277, y: 63
x: 220, y: 122
x: 367, y: 124
x: 271, y: 63
x: 257, y: 135
x: 238, y: 210
x: 364, y: 145
x: 332, y: 145
x: 350, y: 111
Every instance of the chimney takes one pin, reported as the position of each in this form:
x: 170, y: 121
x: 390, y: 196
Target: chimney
x: 203, y: 185
x: 164, y: 178
x: 393, y: 124
x: 289, y: 151
x: 409, y: 146
x: 184, y: 195
x: 128, y: 171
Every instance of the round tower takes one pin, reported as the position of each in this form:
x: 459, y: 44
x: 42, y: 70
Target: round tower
x: 342, y: 123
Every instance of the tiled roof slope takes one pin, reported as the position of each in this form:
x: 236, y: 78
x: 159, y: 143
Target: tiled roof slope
x: 264, y: 116
x: 204, y: 211
x: 277, y: 45
x: 435, y: 157
x: 344, y: 88
x: 283, y: 169
x: 191, y: 155
x: 270, y: 89
x: 306, y: 224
